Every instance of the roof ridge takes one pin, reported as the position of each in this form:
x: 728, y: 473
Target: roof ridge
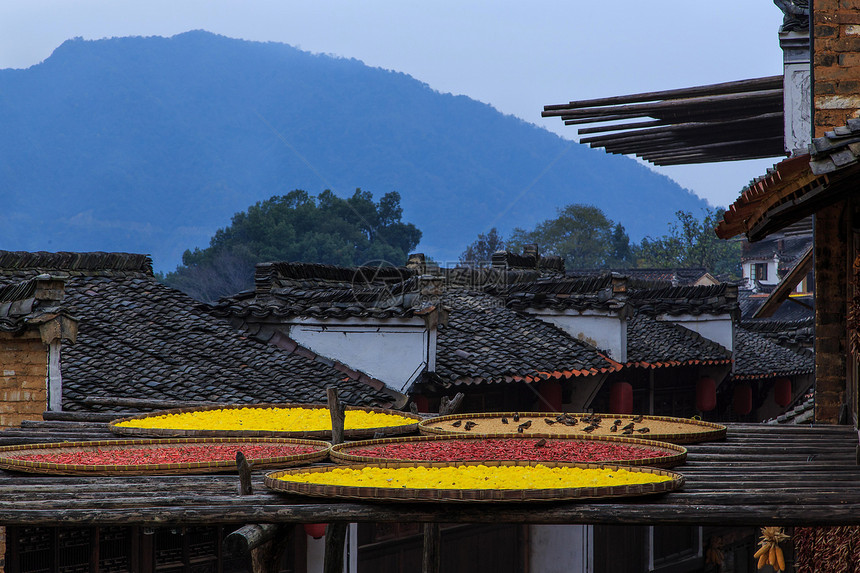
x: 95, y: 261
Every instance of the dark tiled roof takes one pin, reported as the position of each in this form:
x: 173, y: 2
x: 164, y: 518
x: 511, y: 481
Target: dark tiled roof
x: 758, y: 357
x: 485, y: 342
x: 794, y: 308
x: 20, y: 308
x: 695, y: 300
x: 487, y: 278
x: 139, y: 338
x: 837, y: 149
x: 506, y: 260
x: 604, y: 291
x: 792, y: 249
x: 803, y: 413
x: 652, y: 343
x: 677, y: 277
x: 784, y: 332
x: 73, y: 263
x: 326, y: 291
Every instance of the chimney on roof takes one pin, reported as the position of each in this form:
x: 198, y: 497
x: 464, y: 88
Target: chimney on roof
x: 533, y: 252
x: 417, y: 262
x: 49, y: 289
x: 500, y: 260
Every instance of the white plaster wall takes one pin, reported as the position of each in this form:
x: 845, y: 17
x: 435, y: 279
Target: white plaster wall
x: 771, y: 272
x: 393, y: 352
x: 561, y: 548
x: 718, y: 328
x: 603, y: 331
x: 796, y: 97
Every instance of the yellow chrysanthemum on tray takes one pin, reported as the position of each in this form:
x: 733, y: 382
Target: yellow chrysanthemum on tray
x: 476, y: 477
x: 458, y: 482
x: 266, y: 419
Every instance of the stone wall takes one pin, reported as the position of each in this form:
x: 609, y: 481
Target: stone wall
x: 23, y: 374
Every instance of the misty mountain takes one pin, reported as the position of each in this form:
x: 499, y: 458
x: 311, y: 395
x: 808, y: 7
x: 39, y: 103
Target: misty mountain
x: 151, y: 144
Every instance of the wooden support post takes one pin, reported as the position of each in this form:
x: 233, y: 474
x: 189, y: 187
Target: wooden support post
x: 450, y: 406
x: 335, y: 533
x: 431, y: 562
x: 264, y: 542
x: 338, y: 416
x: 335, y: 537
x: 245, y: 487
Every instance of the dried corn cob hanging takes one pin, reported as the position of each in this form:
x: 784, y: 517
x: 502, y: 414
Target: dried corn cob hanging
x: 770, y: 553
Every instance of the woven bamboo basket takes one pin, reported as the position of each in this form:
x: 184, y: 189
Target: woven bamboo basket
x: 10, y: 456
x: 686, y: 431
x: 273, y: 482
x: 355, y: 433
x: 671, y: 454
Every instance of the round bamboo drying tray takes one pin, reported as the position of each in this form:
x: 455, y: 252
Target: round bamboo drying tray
x: 354, y: 433
x: 672, y: 455
x: 8, y: 460
x: 473, y: 495
x: 661, y: 428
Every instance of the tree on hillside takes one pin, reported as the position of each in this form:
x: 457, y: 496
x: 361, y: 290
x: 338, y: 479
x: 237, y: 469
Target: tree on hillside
x: 482, y: 249
x: 297, y: 227
x: 582, y: 235
x: 692, y: 242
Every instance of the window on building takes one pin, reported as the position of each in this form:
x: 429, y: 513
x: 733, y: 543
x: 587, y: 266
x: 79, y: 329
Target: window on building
x: 760, y: 271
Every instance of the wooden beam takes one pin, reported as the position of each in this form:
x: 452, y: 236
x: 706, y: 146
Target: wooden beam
x: 785, y: 286
x: 740, y: 86
x: 709, y: 128
x: 729, y: 101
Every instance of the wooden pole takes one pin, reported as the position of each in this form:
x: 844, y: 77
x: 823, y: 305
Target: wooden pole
x: 245, y: 486
x: 264, y: 542
x: 338, y: 416
x: 431, y: 561
x: 335, y: 533
x: 335, y: 538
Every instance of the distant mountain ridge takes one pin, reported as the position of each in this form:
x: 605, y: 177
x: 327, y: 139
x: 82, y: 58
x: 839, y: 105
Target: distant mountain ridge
x: 150, y: 144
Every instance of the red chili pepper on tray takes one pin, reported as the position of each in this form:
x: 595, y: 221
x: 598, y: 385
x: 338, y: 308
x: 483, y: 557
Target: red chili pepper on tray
x: 107, y: 456
x: 509, y: 449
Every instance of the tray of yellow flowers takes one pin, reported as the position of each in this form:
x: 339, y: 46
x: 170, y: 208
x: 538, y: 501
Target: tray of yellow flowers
x: 265, y: 420
x: 486, y: 481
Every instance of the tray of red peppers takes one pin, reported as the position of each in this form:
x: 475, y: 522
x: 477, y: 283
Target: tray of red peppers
x: 159, y: 457
x: 534, y: 447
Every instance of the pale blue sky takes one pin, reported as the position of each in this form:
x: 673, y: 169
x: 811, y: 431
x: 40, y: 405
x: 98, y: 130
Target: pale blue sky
x: 514, y: 55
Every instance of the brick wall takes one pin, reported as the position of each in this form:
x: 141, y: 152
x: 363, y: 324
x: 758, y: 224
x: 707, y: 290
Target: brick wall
x: 836, y: 63
x: 23, y: 371
x: 836, y: 99
x: 831, y: 300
